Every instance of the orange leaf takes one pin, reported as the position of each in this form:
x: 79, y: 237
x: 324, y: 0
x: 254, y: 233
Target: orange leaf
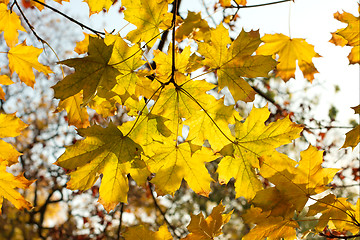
x: 209, y: 228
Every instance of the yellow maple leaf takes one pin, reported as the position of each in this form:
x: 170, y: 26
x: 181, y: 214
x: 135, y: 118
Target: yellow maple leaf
x: 212, y: 124
x: 91, y: 73
x: 8, y: 183
x: 177, y: 102
x: 126, y: 60
x: 353, y: 136
x: 4, y: 80
x: 10, y: 126
x: 349, y: 36
x: 235, y: 62
x: 252, y: 140
x: 297, y: 184
x: 164, y: 63
x: 149, y: 17
x: 147, y: 128
x: 22, y: 59
x: 209, y: 228
x: 337, y: 213
x: 82, y: 46
x: 193, y: 26
x: 172, y: 162
x: 106, y: 152
x: 289, y: 51
x: 96, y: 6
x: 76, y: 114
x: 10, y: 24
x: 140, y: 233
x: 269, y: 227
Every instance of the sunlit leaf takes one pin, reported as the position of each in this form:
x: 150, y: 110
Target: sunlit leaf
x: 9, y: 24
x: 22, y: 60
x: 290, y: 52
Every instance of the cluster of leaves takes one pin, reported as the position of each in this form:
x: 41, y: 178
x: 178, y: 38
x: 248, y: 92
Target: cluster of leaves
x: 164, y: 94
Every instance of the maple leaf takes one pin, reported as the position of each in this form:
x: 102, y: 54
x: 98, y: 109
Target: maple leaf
x: 252, y: 140
x: 10, y: 126
x: 91, y: 72
x: 10, y: 24
x: 82, y: 46
x: 349, y: 36
x: 22, y: 59
x: 178, y: 102
x: 106, y: 152
x: 147, y: 128
x: 209, y: 228
x: 149, y: 17
x: 353, y: 136
x: 337, y: 213
x: 296, y: 185
x: 235, y: 62
x: 164, y: 63
x: 4, y: 80
x: 126, y: 60
x: 269, y: 227
x: 171, y: 162
x: 76, y: 114
x: 193, y: 26
x: 289, y: 51
x: 96, y: 6
x: 212, y: 124
x: 141, y: 232
x: 8, y: 183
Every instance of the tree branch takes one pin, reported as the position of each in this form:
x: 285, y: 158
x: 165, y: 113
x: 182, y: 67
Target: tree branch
x: 259, y: 5
x: 161, y: 211
x: 70, y: 18
x: 120, y: 223
x: 28, y: 23
x: 330, y: 235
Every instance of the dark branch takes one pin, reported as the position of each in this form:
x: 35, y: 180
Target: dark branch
x: 120, y: 223
x: 28, y: 23
x: 161, y: 211
x: 70, y: 18
x: 330, y: 235
x: 259, y: 5
x: 173, y: 69
x: 262, y: 94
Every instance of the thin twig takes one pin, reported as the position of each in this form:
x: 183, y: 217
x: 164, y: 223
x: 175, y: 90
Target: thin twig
x: 262, y: 94
x: 336, y: 236
x: 161, y: 211
x: 345, y: 186
x: 329, y: 127
x: 120, y: 223
x: 70, y: 18
x: 259, y: 5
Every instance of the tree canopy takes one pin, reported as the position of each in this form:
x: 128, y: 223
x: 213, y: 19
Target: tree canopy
x: 154, y: 123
